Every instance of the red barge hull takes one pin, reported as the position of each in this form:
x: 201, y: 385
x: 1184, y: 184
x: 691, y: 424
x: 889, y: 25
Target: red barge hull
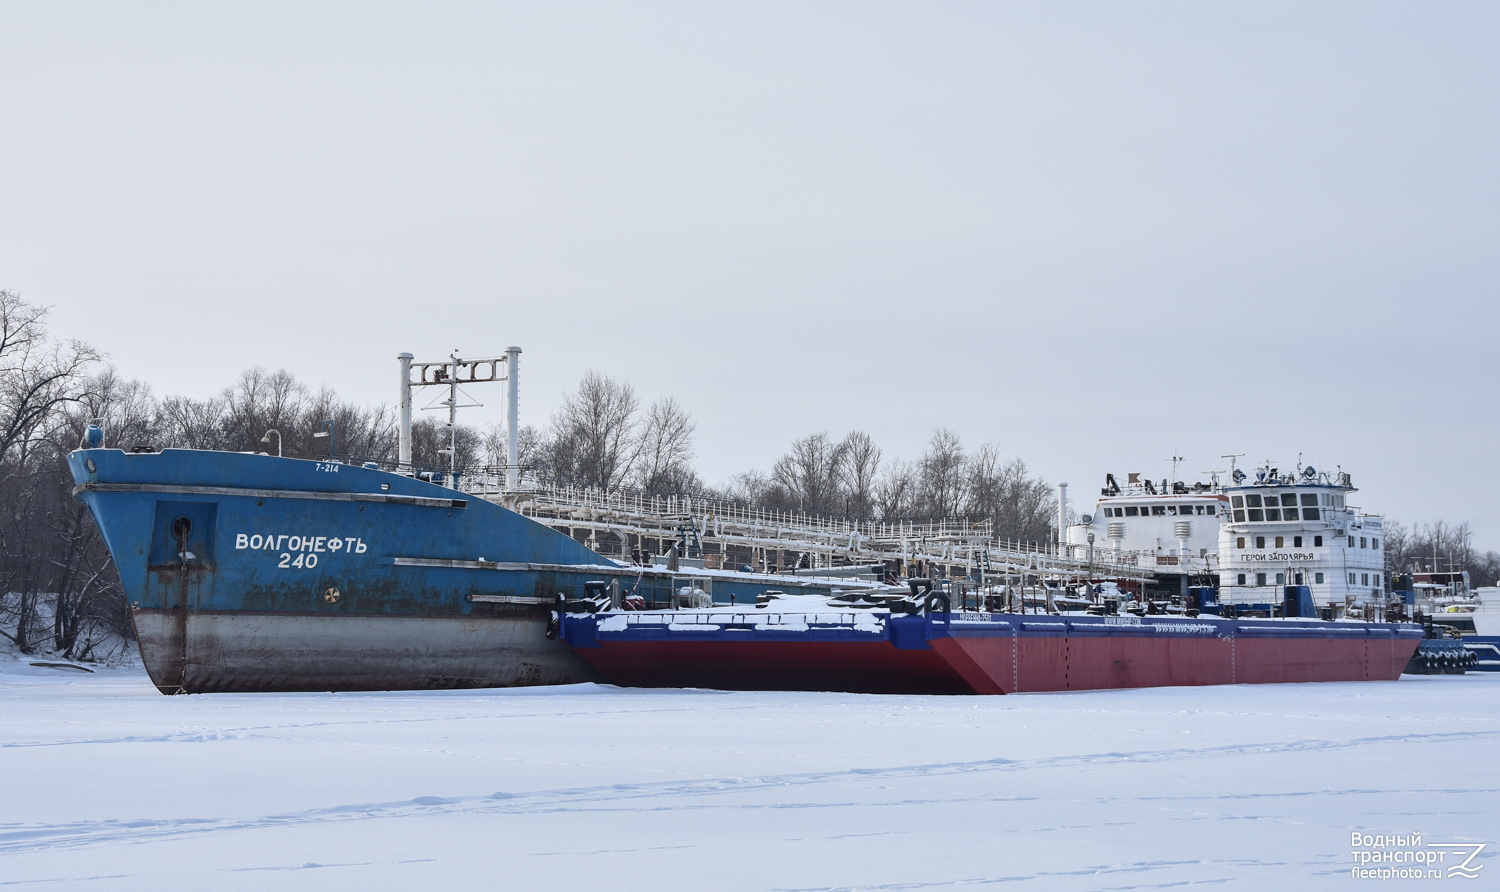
x: 978, y: 653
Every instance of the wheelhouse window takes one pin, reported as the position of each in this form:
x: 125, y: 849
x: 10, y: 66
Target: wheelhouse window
x: 1273, y: 514
x: 1288, y: 513
x: 1237, y: 501
x: 1288, y: 499
x: 1158, y: 510
x: 1309, y: 514
x: 1131, y: 511
x: 1309, y: 500
x: 1252, y: 500
x: 1209, y: 509
x: 1256, y: 514
x: 1185, y: 510
x: 1239, y: 516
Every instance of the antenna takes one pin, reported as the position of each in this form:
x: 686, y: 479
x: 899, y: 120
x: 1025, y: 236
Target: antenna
x: 1175, y: 460
x: 453, y: 405
x: 1231, y: 458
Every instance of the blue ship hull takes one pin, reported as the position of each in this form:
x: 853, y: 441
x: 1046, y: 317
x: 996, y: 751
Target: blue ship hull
x: 257, y: 573
x: 1486, y: 650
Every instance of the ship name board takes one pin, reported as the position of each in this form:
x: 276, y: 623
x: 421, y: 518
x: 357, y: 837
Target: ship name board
x: 274, y: 542
x: 1278, y: 557
x: 306, y: 548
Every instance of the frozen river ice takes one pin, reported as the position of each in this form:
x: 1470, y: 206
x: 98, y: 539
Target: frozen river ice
x: 109, y: 785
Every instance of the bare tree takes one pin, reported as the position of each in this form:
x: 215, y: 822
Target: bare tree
x: 360, y: 432
x: 187, y: 423
x: 593, y: 435
x: 260, y: 401
x: 530, y: 443
x: 37, y: 377
x: 1433, y: 547
x: 810, y: 474
x: 41, y: 529
x: 942, y: 474
x: 84, y: 587
x: 666, y: 450
x: 1484, y: 569
x: 896, y: 493
x: 1398, y: 545
x: 429, y: 438
x: 1027, y: 508
x: 127, y: 410
x: 1439, y: 547
x: 748, y: 487
x: 860, y: 469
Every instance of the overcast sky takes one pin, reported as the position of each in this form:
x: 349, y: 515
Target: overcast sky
x: 1097, y: 235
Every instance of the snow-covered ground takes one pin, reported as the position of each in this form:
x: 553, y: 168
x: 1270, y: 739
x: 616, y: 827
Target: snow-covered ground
x: 106, y: 784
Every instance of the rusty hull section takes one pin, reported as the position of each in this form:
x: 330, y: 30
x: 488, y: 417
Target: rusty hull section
x: 198, y: 652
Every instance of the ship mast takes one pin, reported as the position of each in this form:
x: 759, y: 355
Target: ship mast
x: 451, y: 373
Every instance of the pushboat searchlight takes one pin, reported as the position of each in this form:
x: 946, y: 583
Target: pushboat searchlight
x: 93, y: 435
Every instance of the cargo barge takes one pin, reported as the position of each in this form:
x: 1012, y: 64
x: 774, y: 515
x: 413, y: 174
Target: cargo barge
x: 812, y: 647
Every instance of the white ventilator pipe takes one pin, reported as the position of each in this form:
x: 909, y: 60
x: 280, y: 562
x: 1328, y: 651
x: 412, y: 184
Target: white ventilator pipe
x: 512, y: 419
x: 1062, y: 516
x: 403, y: 435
